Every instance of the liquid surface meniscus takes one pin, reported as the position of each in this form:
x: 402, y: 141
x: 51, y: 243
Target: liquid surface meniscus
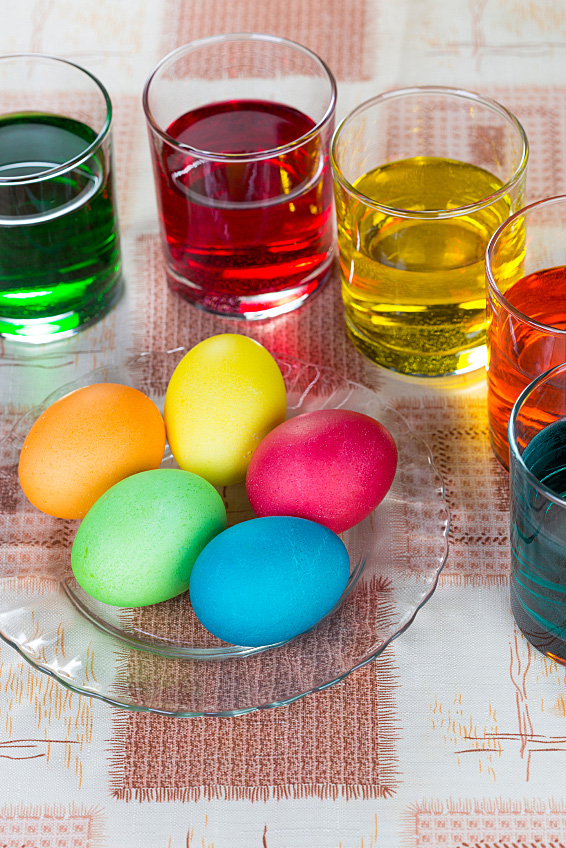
x: 59, y: 242
x: 244, y: 228
x: 414, y: 287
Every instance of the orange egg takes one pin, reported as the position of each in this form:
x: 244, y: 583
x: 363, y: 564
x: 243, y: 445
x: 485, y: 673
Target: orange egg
x: 86, y: 442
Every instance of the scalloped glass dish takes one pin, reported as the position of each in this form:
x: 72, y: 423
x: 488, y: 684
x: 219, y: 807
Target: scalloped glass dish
x: 160, y: 658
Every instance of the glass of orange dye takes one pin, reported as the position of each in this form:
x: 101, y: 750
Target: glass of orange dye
x: 526, y: 305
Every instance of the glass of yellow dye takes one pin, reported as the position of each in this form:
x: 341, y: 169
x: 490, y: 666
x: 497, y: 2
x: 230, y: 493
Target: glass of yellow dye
x: 422, y: 179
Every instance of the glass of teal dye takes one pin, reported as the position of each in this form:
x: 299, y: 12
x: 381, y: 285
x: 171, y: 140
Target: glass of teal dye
x: 537, y: 450
x: 60, y: 266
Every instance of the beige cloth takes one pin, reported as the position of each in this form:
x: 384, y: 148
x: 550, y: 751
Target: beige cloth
x: 455, y: 735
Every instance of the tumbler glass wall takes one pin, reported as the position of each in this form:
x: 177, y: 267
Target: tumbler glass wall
x: 526, y: 283
x: 239, y: 128
x: 537, y: 460
x: 60, y: 266
x: 423, y: 177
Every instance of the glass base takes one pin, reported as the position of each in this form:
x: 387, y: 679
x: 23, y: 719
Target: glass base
x: 250, y: 307
x: 543, y: 639
x: 417, y: 364
x: 52, y: 328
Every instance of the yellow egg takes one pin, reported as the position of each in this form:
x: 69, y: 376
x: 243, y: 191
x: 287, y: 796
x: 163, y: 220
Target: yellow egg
x: 224, y: 396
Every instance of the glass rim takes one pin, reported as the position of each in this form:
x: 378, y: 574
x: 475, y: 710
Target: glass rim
x: 49, y: 173
x: 192, y: 46
x: 492, y: 285
x: 430, y: 214
x: 548, y: 493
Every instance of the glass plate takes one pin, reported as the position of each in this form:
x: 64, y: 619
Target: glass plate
x: 159, y: 658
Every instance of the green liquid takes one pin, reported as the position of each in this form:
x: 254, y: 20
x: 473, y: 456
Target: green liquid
x: 59, y: 243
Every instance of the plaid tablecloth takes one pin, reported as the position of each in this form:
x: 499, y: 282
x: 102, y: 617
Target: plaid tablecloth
x: 440, y: 741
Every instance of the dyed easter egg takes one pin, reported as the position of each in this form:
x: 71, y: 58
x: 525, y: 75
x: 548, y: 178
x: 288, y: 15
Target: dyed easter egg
x: 224, y: 396
x: 333, y: 466
x: 138, y: 543
x: 86, y: 442
x: 268, y: 579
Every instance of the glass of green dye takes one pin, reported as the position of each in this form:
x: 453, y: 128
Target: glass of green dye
x: 60, y: 266
x: 537, y: 451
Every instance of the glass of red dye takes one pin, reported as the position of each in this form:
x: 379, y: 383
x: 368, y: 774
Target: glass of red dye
x: 239, y: 128
x: 526, y: 309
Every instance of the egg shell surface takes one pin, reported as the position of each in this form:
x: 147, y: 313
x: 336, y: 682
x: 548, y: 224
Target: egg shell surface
x: 329, y: 465
x: 86, y: 442
x: 268, y: 579
x: 138, y: 543
x: 224, y: 396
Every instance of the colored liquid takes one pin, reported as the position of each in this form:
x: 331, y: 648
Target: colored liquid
x: 414, y: 289
x: 520, y: 352
x: 538, y: 544
x: 59, y: 244
x: 237, y: 231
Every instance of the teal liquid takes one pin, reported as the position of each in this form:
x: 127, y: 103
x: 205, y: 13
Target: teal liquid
x: 59, y: 242
x: 538, y: 545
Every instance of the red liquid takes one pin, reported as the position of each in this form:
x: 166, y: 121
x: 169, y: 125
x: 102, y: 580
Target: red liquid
x: 237, y: 230
x: 519, y: 352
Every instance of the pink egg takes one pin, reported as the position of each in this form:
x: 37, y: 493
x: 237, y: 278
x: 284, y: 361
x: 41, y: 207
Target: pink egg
x: 333, y: 466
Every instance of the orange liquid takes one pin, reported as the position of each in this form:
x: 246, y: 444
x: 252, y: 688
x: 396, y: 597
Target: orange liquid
x: 519, y: 352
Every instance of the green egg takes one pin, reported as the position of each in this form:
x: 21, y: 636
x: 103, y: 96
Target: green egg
x: 138, y: 542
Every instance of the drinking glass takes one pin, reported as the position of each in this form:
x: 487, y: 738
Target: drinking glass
x: 239, y: 128
x: 537, y: 460
x: 526, y: 286
x: 422, y: 179
x: 60, y: 266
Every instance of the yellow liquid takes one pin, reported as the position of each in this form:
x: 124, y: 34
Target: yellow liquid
x: 414, y: 289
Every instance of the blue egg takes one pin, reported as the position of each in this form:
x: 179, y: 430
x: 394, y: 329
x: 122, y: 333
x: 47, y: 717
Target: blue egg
x: 268, y: 579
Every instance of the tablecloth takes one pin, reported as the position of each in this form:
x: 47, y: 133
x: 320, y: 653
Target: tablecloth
x: 440, y: 740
